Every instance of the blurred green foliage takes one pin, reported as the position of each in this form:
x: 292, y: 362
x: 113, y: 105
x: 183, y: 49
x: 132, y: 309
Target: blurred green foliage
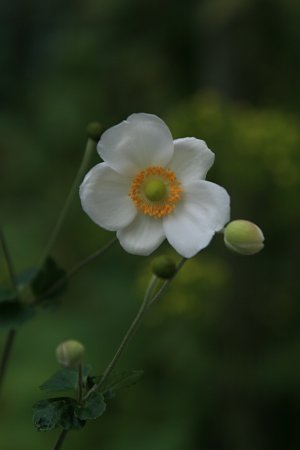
x: 220, y: 351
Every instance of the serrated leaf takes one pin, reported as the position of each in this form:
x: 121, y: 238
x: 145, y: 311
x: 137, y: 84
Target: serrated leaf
x: 46, y: 278
x: 64, y: 380
x: 52, y: 413
x: 93, y: 407
x: 46, y: 415
x: 122, y: 380
x: 68, y: 418
x: 13, y: 313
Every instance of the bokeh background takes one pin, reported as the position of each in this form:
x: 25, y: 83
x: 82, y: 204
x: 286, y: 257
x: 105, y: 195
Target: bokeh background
x: 221, y: 350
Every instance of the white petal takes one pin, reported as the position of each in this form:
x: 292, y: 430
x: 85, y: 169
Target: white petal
x: 204, y: 209
x: 191, y: 160
x: 142, y: 236
x: 141, y: 141
x: 104, y: 197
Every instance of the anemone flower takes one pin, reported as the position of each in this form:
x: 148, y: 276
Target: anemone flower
x: 151, y: 187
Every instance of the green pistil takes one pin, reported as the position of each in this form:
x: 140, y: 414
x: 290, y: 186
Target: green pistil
x: 155, y: 190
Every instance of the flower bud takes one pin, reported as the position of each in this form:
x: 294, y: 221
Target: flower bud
x: 163, y: 267
x: 94, y: 131
x: 70, y: 353
x: 243, y: 237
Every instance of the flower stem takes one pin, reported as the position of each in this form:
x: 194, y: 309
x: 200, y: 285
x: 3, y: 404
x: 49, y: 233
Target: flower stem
x: 62, y: 436
x: 9, y: 263
x: 58, y: 444
x: 89, y: 149
x: 6, y: 354
x: 162, y: 289
x: 80, y: 380
x: 11, y: 334
x: 147, y: 302
x: 77, y: 267
x: 130, y: 332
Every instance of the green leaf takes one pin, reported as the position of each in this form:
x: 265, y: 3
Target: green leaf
x: 93, y: 407
x: 52, y: 413
x: 46, y: 415
x: 46, y: 278
x: 122, y: 380
x: 64, y: 380
x: 13, y: 313
x: 68, y: 418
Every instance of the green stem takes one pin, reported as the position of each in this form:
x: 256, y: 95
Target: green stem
x: 11, y: 334
x: 10, y: 266
x: 80, y: 266
x: 6, y: 354
x: 89, y: 149
x: 162, y: 289
x: 61, y: 438
x: 130, y: 332
x: 147, y: 302
x: 80, y: 381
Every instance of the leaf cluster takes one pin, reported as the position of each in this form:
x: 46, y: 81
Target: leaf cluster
x: 36, y: 289
x: 72, y: 412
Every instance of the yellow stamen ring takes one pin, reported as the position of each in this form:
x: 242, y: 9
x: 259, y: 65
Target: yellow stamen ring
x: 155, y: 191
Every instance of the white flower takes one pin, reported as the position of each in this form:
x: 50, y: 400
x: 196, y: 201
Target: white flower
x: 150, y: 187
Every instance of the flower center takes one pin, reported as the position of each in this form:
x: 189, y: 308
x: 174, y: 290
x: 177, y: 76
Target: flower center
x: 155, y: 191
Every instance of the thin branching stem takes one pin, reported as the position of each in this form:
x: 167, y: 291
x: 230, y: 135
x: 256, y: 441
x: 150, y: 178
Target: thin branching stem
x: 162, y: 289
x: 77, y: 267
x: 89, y: 149
x: 9, y: 263
x: 80, y: 382
x: 60, y: 440
x: 130, y: 332
x: 11, y: 334
x: 149, y: 299
x: 10, y: 338
x: 147, y: 302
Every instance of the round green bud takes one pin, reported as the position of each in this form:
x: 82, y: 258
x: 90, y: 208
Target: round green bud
x: 163, y: 267
x: 70, y: 353
x: 94, y: 131
x: 243, y: 237
x: 155, y: 190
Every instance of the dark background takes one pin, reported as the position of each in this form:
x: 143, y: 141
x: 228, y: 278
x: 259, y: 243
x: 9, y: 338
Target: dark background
x: 221, y: 350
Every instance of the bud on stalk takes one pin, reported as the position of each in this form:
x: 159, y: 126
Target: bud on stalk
x: 243, y: 237
x: 70, y: 353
